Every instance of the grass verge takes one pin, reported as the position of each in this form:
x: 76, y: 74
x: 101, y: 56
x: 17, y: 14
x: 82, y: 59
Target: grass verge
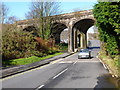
x: 32, y: 59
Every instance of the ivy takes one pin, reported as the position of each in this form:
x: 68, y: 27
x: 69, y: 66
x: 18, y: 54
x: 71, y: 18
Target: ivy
x: 107, y: 15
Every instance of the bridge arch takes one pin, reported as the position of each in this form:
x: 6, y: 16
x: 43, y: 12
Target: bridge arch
x: 79, y: 33
x: 84, y: 24
x: 77, y: 23
x: 31, y: 28
x: 56, y: 30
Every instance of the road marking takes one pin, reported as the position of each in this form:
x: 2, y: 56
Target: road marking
x: 61, y: 62
x: 60, y: 73
x: 40, y: 87
x: 56, y: 61
x: 74, y: 63
x: 24, y: 72
x: 29, y: 71
x: 102, y: 63
x: 90, y: 61
x: 66, y: 62
x: 104, y: 66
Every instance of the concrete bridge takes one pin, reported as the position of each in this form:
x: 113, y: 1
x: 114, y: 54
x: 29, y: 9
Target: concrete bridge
x: 77, y: 23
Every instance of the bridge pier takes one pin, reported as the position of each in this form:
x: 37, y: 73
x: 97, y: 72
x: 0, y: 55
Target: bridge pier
x: 79, y: 38
x: 83, y: 40
x: 75, y: 40
x: 71, y: 40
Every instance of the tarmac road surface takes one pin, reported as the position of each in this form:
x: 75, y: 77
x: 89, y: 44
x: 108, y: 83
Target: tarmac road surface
x: 69, y: 72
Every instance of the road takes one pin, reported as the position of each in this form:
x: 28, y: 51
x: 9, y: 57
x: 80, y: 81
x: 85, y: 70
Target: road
x: 69, y: 72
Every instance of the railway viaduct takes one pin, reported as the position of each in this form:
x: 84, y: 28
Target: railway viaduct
x: 77, y: 23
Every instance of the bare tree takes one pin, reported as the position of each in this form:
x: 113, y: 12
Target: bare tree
x: 3, y: 12
x: 43, y: 9
x: 42, y: 12
x: 12, y: 19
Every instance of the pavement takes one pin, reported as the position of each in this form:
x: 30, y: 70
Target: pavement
x: 22, y: 68
x: 64, y: 73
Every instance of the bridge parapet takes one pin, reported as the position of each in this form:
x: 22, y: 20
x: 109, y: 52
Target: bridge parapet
x: 61, y: 17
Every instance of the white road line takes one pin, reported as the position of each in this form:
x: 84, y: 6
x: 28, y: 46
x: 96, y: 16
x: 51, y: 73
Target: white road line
x: 102, y: 63
x: 89, y: 61
x: 61, y: 62
x: 66, y: 62
x: 79, y: 62
x: 104, y: 66
x: 74, y: 63
x: 60, y: 73
x: 40, y: 86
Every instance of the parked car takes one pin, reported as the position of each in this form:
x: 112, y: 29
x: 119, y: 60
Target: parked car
x: 84, y: 53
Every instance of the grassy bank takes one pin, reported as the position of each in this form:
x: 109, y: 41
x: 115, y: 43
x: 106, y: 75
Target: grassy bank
x: 32, y: 59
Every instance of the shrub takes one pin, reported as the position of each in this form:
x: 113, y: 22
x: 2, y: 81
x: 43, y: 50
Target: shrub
x: 17, y: 43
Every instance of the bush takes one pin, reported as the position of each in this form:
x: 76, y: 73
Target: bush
x: 17, y: 43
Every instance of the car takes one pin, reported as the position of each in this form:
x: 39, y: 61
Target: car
x: 84, y: 53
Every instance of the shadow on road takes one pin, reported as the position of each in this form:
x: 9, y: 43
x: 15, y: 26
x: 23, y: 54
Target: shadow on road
x: 104, y: 84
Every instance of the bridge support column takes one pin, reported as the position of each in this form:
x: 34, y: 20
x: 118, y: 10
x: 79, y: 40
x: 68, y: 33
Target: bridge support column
x: 79, y: 38
x: 83, y: 41
x: 75, y: 40
x: 71, y: 39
